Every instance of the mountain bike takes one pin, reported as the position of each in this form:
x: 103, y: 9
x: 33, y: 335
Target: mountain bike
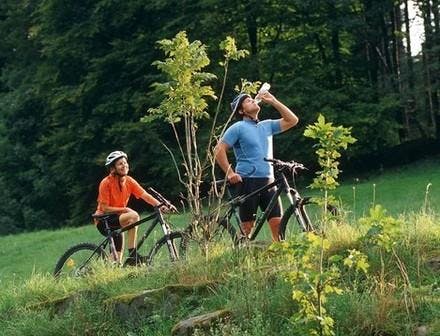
x: 78, y: 259
x: 296, y: 210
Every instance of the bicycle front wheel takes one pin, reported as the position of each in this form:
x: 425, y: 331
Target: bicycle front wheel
x: 77, y: 260
x: 169, y: 248
x: 297, y: 214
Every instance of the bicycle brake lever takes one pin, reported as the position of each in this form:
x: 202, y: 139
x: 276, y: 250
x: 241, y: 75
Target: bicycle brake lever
x: 237, y: 200
x: 160, y: 198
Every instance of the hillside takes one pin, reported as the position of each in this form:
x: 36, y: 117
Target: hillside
x: 400, y: 189
x: 396, y: 294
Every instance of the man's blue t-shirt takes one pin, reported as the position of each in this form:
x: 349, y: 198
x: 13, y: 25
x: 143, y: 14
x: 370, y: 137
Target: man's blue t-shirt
x: 252, y: 142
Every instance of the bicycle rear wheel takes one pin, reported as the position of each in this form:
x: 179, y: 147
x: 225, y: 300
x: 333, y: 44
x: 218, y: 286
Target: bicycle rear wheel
x: 225, y: 231
x: 77, y: 260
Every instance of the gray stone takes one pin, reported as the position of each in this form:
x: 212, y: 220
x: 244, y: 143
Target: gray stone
x: 421, y: 331
x: 164, y: 299
x: 187, y: 327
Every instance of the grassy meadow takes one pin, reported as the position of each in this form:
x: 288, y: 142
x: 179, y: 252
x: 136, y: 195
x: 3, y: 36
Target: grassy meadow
x: 399, y: 190
x: 397, y: 294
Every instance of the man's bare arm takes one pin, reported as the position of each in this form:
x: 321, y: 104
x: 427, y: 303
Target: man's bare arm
x: 288, y: 118
x: 221, y: 158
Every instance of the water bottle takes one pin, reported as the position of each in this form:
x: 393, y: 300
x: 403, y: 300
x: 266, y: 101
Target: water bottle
x: 264, y: 88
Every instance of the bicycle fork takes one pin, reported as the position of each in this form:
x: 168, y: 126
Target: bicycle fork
x: 174, y: 254
x: 300, y: 215
x: 112, y: 242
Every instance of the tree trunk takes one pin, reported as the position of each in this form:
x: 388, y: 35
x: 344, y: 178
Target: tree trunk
x: 370, y: 46
x: 333, y: 16
x: 397, y: 47
x: 435, y: 12
x: 388, y: 64
x: 428, y: 65
x: 411, y: 102
x: 252, y: 31
x: 251, y: 26
x: 409, y: 59
x: 436, y: 60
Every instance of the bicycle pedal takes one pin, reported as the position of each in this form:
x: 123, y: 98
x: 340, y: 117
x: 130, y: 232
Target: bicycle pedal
x: 135, y: 261
x: 242, y: 240
x: 115, y: 264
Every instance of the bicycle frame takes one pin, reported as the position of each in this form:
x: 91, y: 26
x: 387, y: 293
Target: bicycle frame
x: 74, y: 261
x: 283, y: 187
x: 155, y: 218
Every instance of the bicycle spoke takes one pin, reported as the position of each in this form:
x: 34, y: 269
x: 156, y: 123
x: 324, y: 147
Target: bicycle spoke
x: 296, y: 220
x: 78, y: 260
x: 167, y: 249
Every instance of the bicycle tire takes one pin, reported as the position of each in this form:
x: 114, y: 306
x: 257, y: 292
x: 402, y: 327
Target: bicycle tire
x: 76, y: 260
x: 226, y: 227
x: 223, y: 230
x: 160, y: 252
x: 302, y: 219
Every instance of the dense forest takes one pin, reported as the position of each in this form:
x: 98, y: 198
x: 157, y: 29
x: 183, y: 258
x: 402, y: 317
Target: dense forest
x: 77, y: 76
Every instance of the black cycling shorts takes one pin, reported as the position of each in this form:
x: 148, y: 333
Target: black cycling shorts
x: 113, y: 224
x: 248, y: 210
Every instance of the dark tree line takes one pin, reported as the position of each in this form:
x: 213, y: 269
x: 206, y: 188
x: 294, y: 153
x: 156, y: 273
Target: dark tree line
x: 76, y: 78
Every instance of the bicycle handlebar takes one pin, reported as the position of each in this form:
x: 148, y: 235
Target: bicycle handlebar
x: 161, y: 199
x: 278, y: 164
x: 281, y: 165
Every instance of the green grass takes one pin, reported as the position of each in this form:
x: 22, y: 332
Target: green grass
x: 390, y: 300
x: 399, y: 190
x: 35, y: 253
x: 25, y: 254
x: 250, y: 283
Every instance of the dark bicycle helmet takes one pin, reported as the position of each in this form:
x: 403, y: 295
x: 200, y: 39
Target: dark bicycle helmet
x: 113, y: 156
x: 236, y: 103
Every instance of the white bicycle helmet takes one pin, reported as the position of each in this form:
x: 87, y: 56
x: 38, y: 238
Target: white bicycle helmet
x: 236, y: 103
x: 113, y: 156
